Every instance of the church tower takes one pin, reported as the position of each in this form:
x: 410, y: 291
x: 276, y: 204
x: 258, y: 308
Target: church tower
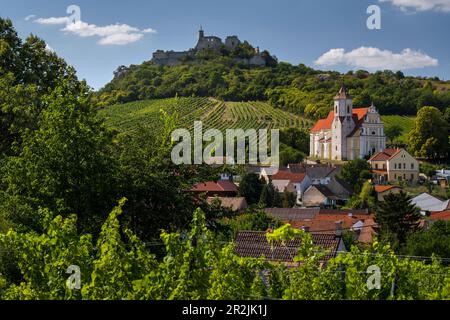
x: 201, y: 33
x: 343, y: 124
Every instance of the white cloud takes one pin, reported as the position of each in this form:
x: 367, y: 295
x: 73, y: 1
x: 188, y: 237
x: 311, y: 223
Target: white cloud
x: 377, y: 59
x: 53, y: 20
x: 31, y: 16
x: 114, y: 34
x: 421, y: 5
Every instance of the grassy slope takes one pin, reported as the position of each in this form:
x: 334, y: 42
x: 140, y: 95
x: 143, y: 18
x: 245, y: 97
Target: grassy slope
x: 407, y: 123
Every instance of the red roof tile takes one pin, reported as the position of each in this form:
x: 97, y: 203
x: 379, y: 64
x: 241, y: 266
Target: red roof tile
x: 219, y: 186
x: 443, y: 215
x: 380, y: 188
x: 384, y: 155
x: 287, y: 175
x: 325, y: 124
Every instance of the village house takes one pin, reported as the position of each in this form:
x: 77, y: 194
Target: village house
x: 428, y: 203
x: 222, y: 188
x: 383, y: 190
x: 238, y: 204
x: 254, y: 244
x: 287, y: 181
x: 392, y: 165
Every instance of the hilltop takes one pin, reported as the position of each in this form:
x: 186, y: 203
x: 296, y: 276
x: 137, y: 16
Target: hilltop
x: 225, y: 70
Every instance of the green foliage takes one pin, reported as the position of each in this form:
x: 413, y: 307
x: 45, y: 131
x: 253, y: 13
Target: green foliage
x: 432, y: 241
x: 366, y: 198
x: 394, y: 131
x: 355, y: 173
x: 429, y: 138
x: 250, y: 187
x: 397, y: 216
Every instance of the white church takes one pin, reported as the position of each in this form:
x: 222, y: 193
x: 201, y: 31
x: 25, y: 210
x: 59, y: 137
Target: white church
x: 347, y: 133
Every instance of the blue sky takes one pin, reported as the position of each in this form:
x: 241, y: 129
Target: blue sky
x: 324, y: 34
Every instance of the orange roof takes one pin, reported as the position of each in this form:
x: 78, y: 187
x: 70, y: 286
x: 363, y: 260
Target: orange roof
x: 384, y: 155
x: 218, y: 186
x: 443, y: 215
x: 325, y: 124
x: 380, y: 189
x: 287, y: 175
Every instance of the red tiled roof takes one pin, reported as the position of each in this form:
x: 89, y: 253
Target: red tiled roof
x: 254, y: 244
x: 287, y: 175
x: 380, y: 188
x: 219, y: 186
x: 443, y: 215
x: 325, y: 124
x: 384, y: 155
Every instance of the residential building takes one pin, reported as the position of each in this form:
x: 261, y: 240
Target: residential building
x: 383, y: 190
x: 237, y: 204
x: 428, y: 203
x: 222, y: 188
x: 394, y: 165
x: 254, y: 244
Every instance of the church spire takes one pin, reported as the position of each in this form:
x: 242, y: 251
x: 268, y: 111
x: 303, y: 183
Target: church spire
x: 343, y: 93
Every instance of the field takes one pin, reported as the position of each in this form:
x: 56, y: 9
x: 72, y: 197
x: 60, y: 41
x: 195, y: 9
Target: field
x: 406, y: 123
x: 128, y: 118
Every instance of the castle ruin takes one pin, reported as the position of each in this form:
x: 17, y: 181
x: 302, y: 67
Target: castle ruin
x: 172, y: 58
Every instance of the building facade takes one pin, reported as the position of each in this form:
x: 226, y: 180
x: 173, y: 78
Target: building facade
x: 347, y: 133
x: 394, y: 165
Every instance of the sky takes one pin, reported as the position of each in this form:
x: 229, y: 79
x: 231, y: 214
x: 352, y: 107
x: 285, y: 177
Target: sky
x: 325, y: 34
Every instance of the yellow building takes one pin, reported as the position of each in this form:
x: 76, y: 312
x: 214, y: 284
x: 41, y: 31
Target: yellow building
x: 394, y: 165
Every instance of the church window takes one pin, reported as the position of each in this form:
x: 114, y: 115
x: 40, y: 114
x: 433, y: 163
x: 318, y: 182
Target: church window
x: 348, y: 109
x: 412, y: 166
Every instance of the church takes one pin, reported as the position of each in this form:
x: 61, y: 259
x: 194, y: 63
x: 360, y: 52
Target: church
x: 347, y: 133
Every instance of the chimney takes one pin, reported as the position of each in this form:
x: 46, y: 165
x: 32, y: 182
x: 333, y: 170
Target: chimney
x: 339, y: 227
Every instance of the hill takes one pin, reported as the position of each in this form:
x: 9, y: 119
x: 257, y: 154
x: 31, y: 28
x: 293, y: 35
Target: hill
x: 298, y: 89
x: 129, y: 117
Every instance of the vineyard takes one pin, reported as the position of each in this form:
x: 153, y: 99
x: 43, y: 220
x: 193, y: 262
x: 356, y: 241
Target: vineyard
x: 129, y: 117
x: 406, y: 123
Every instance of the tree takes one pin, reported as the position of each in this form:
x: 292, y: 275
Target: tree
x: 250, y: 187
x: 268, y: 196
x: 432, y: 241
x: 366, y: 198
x: 355, y: 173
x: 397, y: 216
x: 394, y: 131
x: 429, y: 138
x: 64, y: 166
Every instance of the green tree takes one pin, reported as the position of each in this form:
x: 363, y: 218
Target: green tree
x: 393, y: 132
x: 397, y: 216
x: 355, y: 173
x: 432, y: 241
x: 429, y: 138
x: 251, y: 187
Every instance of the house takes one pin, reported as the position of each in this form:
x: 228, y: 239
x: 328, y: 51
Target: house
x: 347, y: 133
x: 442, y: 215
x: 394, y: 165
x: 238, y: 204
x: 383, y: 190
x: 254, y: 244
x: 427, y: 203
x: 285, y: 180
x: 318, y: 220
x: 443, y: 178
x: 222, y: 188
x: 320, y: 196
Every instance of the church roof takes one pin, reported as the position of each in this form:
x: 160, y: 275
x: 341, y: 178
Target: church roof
x: 325, y: 124
x: 342, y: 94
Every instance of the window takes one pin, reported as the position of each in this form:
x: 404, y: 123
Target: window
x: 376, y: 166
x: 395, y: 166
x: 348, y: 109
x: 412, y: 176
x: 404, y: 166
x: 412, y: 166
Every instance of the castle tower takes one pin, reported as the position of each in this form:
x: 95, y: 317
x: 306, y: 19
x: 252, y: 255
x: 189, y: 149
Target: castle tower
x: 343, y: 124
